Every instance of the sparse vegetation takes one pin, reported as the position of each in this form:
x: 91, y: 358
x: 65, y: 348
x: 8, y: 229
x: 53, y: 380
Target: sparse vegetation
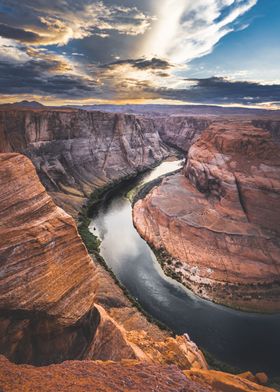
x: 93, y: 243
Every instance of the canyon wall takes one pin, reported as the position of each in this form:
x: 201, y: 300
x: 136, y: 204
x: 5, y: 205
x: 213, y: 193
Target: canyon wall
x: 76, y: 152
x: 218, y: 220
x: 181, y: 131
x: 48, y: 281
x: 271, y: 125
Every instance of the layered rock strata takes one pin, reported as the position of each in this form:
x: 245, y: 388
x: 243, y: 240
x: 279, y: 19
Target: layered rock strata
x: 76, y: 152
x: 48, y: 281
x: 219, y: 218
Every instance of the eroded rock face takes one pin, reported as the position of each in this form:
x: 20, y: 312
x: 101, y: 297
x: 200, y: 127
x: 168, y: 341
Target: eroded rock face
x: 56, y: 303
x: 76, y: 152
x: 48, y: 281
x: 219, y: 219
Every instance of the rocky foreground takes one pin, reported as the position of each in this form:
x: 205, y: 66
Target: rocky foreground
x: 130, y: 376
x: 218, y: 220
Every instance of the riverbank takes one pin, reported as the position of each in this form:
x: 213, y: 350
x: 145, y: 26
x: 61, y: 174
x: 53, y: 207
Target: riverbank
x: 92, y: 242
x: 99, y: 195
x: 179, y: 310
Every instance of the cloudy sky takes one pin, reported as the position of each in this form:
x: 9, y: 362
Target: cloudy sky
x: 141, y: 51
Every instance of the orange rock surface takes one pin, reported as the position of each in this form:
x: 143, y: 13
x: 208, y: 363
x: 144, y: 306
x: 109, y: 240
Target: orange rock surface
x: 224, y: 382
x: 56, y: 303
x: 48, y: 281
x: 39, y: 246
x: 124, y: 376
x: 219, y: 219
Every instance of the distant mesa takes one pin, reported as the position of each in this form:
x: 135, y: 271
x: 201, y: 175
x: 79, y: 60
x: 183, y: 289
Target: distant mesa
x: 23, y: 104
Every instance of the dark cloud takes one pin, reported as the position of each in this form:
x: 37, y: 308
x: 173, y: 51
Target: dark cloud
x: 222, y: 91
x: 35, y: 77
x: 152, y: 64
x: 18, y: 34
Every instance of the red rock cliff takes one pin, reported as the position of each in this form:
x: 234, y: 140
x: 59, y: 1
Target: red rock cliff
x: 219, y: 220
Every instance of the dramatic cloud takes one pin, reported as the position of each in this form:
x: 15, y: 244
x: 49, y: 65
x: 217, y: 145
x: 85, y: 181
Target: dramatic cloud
x: 18, y: 34
x: 58, y: 22
x: 122, y: 50
x: 40, y: 78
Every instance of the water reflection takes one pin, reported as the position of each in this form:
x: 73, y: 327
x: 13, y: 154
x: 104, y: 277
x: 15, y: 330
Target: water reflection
x: 248, y: 341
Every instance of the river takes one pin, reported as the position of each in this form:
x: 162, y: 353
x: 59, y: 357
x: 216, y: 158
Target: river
x: 247, y: 341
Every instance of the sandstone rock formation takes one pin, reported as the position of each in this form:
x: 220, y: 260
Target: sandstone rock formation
x: 98, y: 376
x: 52, y: 293
x: 121, y: 376
x: 219, y: 220
x: 48, y: 281
x: 76, y: 152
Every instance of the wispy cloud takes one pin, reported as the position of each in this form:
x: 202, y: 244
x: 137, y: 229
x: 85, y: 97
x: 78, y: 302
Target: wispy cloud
x: 188, y: 29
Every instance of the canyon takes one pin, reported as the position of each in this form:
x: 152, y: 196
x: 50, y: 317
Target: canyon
x: 76, y: 152
x: 57, y: 302
x: 218, y: 220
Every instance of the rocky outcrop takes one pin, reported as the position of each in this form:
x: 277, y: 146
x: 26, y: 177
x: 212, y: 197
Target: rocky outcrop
x: 95, y: 376
x: 219, y: 220
x: 126, y: 375
x: 56, y: 303
x: 48, y: 281
x: 76, y: 152
x: 147, y: 341
x: 224, y: 382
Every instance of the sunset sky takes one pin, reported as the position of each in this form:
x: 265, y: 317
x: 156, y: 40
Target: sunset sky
x: 141, y: 51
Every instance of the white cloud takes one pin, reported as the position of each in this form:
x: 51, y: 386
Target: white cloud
x: 188, y: 29
x: 10, y: 51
